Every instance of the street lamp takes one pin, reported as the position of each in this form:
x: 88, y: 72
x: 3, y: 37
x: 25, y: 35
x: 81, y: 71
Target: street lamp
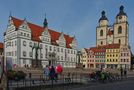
x: 36, y: 47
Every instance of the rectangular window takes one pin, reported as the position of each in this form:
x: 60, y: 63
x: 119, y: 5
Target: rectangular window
x: 15, y: 43
x: 61, y: 49
x: 50, y: 48
x: 127, y: 54
x: 41, y: 55
x: 68, y: 51
x: 46, y: 53
x: 24, y: 53
x: 116, y: 60
x: 21, y: 33
x: 71, y: 51
x: 61, y: 57
x: 54, y: 48
x: 30, y: 54
x: 74, y: 52
x: 30, y: 44
x: 27, y: 35
x: 24, y: 43
x: 24, y: 61
x: 24, y: 34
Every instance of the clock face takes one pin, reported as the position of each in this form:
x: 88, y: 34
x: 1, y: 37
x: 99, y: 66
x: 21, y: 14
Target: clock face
x: 120, y: 17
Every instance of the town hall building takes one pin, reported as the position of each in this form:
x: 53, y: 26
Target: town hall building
x: 31, y: 45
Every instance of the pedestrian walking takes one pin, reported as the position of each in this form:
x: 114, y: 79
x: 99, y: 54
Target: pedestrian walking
x: 52, y: 73
x: 46, y: 72
x: 125, y: 73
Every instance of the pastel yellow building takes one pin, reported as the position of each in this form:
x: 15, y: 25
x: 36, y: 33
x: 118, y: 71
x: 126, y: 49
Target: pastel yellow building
x: 112, y: 56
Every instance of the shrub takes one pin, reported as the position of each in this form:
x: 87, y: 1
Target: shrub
x: 15, y: 75
x: 11, y: 74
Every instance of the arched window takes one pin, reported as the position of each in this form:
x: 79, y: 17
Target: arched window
x: 119, y: 41
x: 101, y: 33
x: 119, y: 30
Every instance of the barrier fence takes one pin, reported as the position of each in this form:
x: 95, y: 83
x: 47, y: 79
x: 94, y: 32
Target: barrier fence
x: 39, y: 81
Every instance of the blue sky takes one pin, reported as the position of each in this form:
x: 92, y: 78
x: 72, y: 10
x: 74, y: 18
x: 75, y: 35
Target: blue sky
x: 73, y: 17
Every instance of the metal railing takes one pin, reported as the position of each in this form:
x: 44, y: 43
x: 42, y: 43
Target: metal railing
x: 40, y: 81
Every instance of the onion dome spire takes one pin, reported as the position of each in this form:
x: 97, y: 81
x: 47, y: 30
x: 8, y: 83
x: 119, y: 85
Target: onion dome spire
x: 103, y: 16
x: 121, y: 11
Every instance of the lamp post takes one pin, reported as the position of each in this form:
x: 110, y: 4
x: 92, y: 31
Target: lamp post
x: 36, y: 47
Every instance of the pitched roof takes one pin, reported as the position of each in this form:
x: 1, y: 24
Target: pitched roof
x: 37, y: 31
x: 86, y: 49
x: 1, y: 45
x: 112, y: 46
x: 104, y: 47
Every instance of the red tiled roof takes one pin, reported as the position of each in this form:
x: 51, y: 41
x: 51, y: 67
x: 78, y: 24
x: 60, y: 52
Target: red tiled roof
x: 1, y: 45
x: 86, y: 50
x: 37, y: 30
x: 110, y: 32
x: 104, y: 47
x: 113, y: 46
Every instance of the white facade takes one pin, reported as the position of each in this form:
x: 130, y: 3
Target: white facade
x: 20, y: 40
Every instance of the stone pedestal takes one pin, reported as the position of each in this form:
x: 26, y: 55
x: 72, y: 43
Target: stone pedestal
x: 79, y: 65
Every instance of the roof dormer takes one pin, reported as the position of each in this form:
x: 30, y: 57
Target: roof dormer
x: 24, y: 26
x: 74, y: 43
x: 62, y: 41
x: 45, y: 36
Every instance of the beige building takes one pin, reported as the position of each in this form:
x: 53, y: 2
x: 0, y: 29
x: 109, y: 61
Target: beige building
x: 84, y: 57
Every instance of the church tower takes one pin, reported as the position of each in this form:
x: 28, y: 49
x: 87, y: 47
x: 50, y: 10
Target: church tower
x: 121, y: 28
x: 101, y: 30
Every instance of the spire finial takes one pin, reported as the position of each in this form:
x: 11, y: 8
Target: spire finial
x: 103, y: 13
x: 45, y: 24
x: 103, y: 17
x: 121, y: 11
x: 121, y: 8
x: 45, y: 15
x: 10, y: 14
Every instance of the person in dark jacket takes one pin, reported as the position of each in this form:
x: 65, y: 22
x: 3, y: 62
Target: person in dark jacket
x: 52, y: 73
